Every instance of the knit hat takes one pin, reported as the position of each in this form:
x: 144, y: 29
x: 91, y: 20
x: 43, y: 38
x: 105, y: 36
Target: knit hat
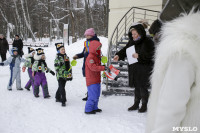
x: 13, y: 49
x: 90, y: 32
x: 17, y: 36
x: 155, y: 27
x: 59, y: 46
x: 39, y: 54
x: 40, y: 51
x: 30, y: 50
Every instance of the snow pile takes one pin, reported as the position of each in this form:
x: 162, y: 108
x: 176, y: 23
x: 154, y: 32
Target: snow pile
x: 21, y: 112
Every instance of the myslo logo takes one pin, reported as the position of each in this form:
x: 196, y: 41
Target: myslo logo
x: 185, y: 129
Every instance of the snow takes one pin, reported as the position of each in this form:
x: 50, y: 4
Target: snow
x: 21, y: 112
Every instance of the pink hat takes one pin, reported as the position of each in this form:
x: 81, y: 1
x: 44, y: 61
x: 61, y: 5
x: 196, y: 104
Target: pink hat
x: 89, y: 32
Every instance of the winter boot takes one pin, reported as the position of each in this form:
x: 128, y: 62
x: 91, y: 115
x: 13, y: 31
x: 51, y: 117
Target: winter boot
x: 28, y: 89
x: 89, y: 113
x: 143, y: 108
x: 98, y: 110
x: 57, y: 100
x: 63, y: 104
x: 36, y: 95
x: 145, y: 98
x: 85, y: 99
x: 10, y: 89
x: 135, y: 106
x: 20, y: 89
x: 48, y: 96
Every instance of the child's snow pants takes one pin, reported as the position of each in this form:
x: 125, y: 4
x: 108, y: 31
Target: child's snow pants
x: 94, y: 91
x: 31, y: 80
x: 15, y: 74
x: 40, y: 79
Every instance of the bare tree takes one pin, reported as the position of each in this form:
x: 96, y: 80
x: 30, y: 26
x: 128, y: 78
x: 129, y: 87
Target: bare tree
x: 32, y: 17
x: 26, y: 22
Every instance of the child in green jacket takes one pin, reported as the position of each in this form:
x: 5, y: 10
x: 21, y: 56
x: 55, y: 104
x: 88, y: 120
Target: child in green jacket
x: 62, y: 66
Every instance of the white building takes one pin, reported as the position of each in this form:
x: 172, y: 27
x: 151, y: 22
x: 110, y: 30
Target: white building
x: 118, y: 9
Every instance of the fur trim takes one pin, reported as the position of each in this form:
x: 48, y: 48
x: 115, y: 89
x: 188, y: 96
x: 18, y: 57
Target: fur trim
x: 179, y: 37
x: 37, y: 57
x: 28, y: 55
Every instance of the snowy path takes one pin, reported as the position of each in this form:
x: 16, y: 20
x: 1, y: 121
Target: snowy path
x: 21, y: 112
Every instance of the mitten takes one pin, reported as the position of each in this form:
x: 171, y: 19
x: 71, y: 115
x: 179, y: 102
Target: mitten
x: 53, y: 73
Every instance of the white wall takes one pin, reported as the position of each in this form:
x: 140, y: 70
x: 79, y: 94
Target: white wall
x: 119, y: 7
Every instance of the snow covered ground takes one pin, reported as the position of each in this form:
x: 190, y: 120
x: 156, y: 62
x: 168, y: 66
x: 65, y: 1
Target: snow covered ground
x: 21, y: 112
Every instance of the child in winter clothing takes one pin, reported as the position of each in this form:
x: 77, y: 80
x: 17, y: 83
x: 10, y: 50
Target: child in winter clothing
x: 39, y: 68
x: 14, y: 61
x: 29, y: 62
x: 93, y: 77
x: 90, y: 36
x: 62, y: 65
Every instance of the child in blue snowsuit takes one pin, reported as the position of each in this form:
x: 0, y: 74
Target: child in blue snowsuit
x: 90, y: 36
x: 15, y: 71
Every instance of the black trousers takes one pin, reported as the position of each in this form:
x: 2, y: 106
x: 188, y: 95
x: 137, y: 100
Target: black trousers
x: 141, y: 93
x: 3, y: 57
x: 61, y: 94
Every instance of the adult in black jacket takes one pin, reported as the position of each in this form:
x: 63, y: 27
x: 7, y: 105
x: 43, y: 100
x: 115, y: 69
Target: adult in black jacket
x: 4, y: 47
x: 19, y: 44
x: 139, y: 72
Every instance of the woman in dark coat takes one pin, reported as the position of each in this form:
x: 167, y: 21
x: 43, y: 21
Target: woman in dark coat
x: 19, y: 44
x: 4, y: 47
x: 139, y: 73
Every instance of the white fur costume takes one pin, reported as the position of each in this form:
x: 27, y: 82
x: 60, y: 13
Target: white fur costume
x: 175, y: 96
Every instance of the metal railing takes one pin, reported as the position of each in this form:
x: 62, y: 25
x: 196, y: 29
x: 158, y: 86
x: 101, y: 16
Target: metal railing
x: 135, y: 14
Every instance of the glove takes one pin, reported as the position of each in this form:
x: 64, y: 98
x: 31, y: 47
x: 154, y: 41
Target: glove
x: 66, y: 73
x: 23, y: 69
x: 53, y: 73
x: 1, y: 64
x: 75, y: 57
x: 70, y: 79
x: 107, y: 69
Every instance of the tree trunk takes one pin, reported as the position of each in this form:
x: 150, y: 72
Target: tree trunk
x: 26, y: 22
x: 78, y: 18
x: 91, y: 15
x: 18, y: 18
x: 50, y: 21
x: 74, y: 39
x: 86, y: 14
x: 106, y: 12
